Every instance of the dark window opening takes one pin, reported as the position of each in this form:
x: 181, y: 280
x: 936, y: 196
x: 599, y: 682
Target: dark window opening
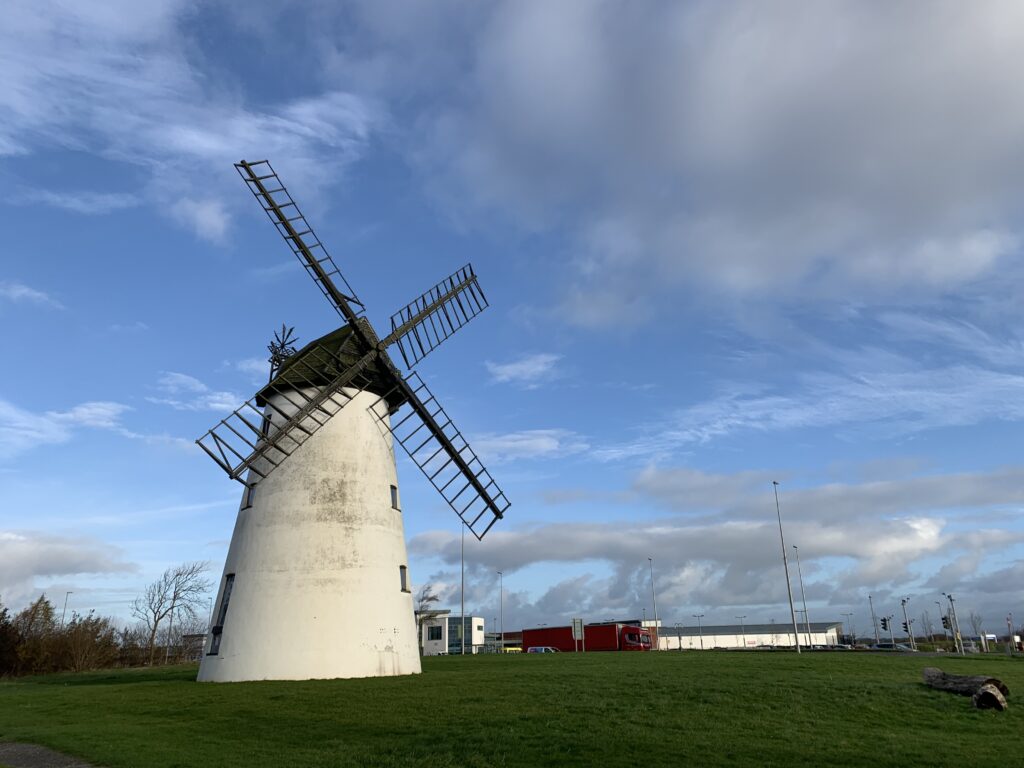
x: 248, y: 496
x: 433, y: 633
x: 394, y: 498
x: 218, y: 628
x: 403, y: 575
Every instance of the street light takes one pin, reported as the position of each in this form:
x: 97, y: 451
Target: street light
x: 654, y: 599
x: 957, y: 637
x: 679, y: 634
x: 785, y: 567
x: 803, y: 596
x: 462, y: 593
x: 62, y: 614
x: 874, y: 621
x: 743, y: 630
x: 700, y: 629
x: 501, y: 610
x: 941, y: 617
x: 907, y: 620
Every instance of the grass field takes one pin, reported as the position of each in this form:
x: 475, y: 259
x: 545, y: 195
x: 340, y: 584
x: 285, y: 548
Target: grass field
x: 714, y: 708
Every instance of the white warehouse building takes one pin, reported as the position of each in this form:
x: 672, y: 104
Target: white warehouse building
x: 441, y: 635
x: 674, y: 637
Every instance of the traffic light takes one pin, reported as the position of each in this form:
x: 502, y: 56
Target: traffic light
x: 906, y: 629
x: 884, y: 622
x: 945, y: 622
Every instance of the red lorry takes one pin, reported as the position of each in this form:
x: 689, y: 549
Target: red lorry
x: 597, y: 637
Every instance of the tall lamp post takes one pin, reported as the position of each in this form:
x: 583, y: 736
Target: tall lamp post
x: 462, y: 593
x: 700, y: 628
x: 679, y: 634
x: 941, y: 617
x: 874, y: 620
x: 501, y: 611
x: 743, y: 630
x: 654, y: 599
x: 803, y: 595
x: 64, y: 612
x: 785, y: 567
x: 849, y: 628
x: 906, y: 622
x: 958, y: 638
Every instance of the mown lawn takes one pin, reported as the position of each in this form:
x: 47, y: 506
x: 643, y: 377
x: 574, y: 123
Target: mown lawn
x: 714, y: 708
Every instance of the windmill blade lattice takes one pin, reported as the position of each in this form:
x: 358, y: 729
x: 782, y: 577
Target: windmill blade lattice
x: 284, y: 212
x: 309, y: 391
x: 450, y: 464
x: 421, y: 326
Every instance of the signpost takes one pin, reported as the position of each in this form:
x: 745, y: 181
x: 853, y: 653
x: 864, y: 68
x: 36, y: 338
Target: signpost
x: 577, y: 635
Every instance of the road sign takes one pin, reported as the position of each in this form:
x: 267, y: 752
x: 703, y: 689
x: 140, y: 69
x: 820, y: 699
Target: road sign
x: 577, y: 629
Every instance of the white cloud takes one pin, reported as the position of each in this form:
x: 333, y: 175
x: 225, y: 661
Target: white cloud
x: 529, y: 370
x: 22, y: 430
x: 744, y: 150
x: 256, y: 368
x: 190, y: 394
x: 119, y: 81
x: 529, y: 444
x: 884, y: 402
x: 15, y: 292
x: 85, y: 202
x: 207, y: 217
x: 134, y: 327
x: 26, y: 556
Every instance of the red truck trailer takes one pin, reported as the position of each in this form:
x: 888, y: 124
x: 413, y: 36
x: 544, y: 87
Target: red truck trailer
x: 597, y: 637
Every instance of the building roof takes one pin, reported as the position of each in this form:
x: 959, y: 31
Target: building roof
x: 671, y: 630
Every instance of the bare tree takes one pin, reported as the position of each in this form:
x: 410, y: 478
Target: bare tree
x: 976, y: 624
x: 179, y: 591
x: 424, y: 600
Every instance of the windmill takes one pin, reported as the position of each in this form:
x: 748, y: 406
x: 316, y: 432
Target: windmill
x: 316, y: 582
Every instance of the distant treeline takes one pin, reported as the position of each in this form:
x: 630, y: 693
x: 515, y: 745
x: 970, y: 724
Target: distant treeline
x: 38, y: 640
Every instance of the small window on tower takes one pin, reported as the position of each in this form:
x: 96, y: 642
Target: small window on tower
x: 394, y: 498
x: 218, y: 629
x: 403, y: 575
x: 248, y: 496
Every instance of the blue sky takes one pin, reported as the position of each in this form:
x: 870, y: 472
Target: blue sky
x: 723, y: 245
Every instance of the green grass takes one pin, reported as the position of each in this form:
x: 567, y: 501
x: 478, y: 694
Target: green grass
x: 715, y: 708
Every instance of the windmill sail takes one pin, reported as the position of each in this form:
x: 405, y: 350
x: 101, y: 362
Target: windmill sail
x: 437, y: 447
x: 421, y: 326
x: 306, y: 392
x: 284, y: 212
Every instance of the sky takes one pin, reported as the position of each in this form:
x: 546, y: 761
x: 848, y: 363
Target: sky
x: 724, y: 244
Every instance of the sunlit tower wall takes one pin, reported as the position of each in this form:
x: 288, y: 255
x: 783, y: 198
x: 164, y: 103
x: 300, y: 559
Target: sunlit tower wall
x: 316, y: 583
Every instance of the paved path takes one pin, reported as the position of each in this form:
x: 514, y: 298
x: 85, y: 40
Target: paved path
x: 34, y: 756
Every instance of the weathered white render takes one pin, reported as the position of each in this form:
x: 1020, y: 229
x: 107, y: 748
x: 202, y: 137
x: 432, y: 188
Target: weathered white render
x: 317, y: 564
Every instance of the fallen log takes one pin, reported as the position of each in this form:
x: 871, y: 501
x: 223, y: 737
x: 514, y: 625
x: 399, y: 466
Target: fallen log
x: 989, y: 697
x: 986, y: 692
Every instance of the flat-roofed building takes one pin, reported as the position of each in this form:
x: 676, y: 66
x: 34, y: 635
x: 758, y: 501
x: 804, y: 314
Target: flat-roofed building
x: 673, y: 637
x: 441, y: 635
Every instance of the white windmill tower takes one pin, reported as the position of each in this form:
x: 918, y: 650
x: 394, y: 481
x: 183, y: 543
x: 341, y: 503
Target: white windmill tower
x: 316, y: 582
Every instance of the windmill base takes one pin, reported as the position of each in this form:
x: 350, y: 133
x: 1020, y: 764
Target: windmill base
x: 315, y: 585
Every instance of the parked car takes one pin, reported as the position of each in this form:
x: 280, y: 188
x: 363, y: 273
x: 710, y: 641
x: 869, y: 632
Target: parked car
x: 542, y: 649
x: 901, y: 647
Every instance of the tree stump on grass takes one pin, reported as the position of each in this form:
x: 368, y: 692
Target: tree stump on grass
x: 985, y: 692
